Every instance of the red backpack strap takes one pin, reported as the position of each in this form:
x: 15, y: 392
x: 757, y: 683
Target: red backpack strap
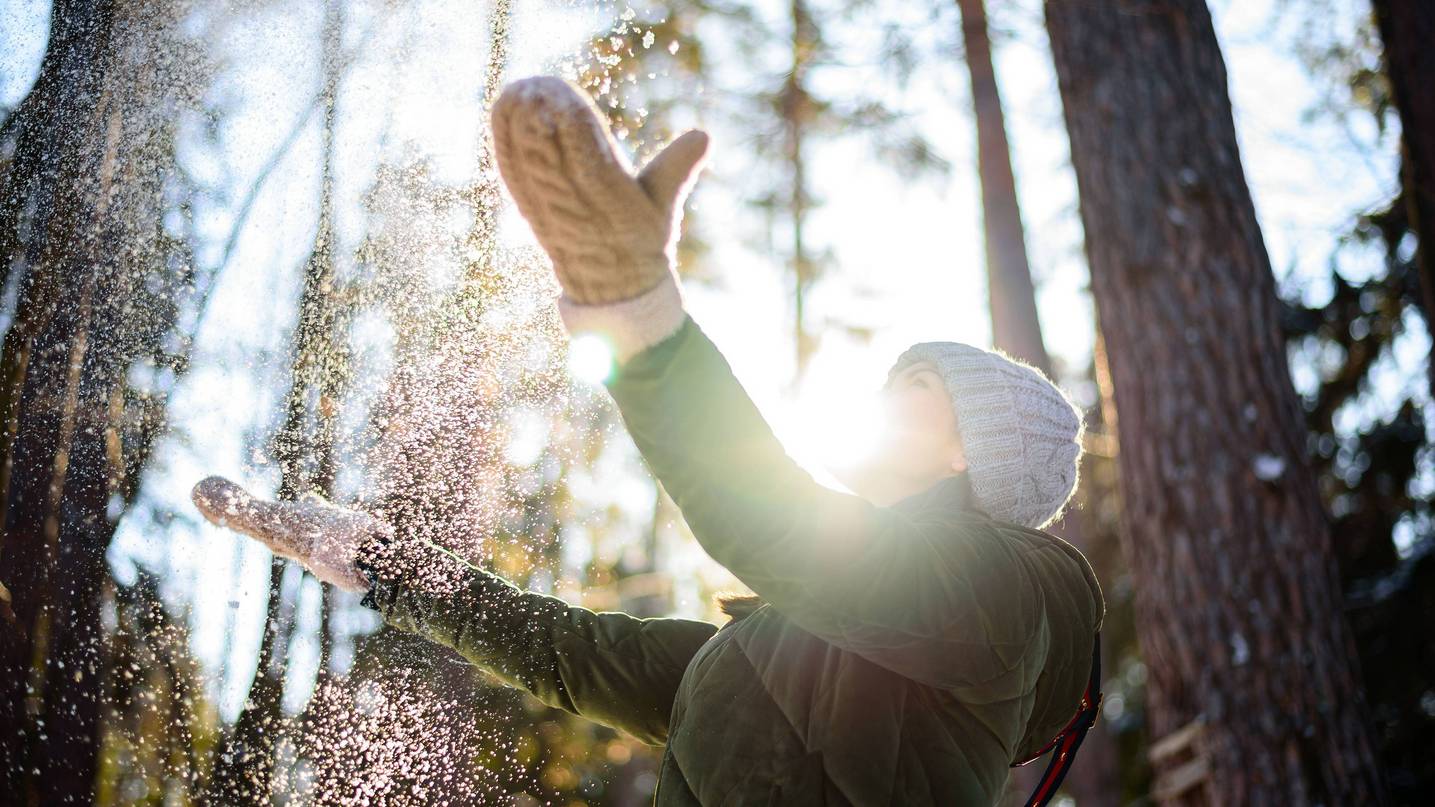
x: 1069, y: 739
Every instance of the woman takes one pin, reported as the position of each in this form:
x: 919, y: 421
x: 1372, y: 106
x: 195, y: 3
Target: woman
x: 906, y: 644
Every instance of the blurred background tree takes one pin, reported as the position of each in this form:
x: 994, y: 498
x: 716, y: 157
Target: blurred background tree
x: 1368, y: 445
x: 97, y: 247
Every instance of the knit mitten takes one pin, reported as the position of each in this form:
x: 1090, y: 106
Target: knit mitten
x: 323, y: 537
x: 611, y: 235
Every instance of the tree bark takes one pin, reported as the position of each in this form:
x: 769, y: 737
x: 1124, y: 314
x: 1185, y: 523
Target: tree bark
x: 81, y: 211
x: 1254, y: 692
x: 1015, y: 328
x: 1407, y: 29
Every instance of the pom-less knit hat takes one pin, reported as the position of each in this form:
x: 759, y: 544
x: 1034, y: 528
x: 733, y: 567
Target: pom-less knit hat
x: 1021, y: 433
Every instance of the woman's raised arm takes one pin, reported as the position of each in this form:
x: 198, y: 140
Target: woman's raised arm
x: 939, y: 594
x: 943, y: 599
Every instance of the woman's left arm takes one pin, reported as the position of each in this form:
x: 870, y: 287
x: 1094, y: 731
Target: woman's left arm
x: 607, y: 666
x: 942, y: 597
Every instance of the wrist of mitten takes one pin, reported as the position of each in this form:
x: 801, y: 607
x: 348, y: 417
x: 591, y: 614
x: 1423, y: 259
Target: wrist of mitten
x: 608, y: 275
x: 629, y: 325
x: 420, y: 588
x: 392, y: 564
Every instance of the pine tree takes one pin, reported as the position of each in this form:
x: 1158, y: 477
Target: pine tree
x: 1254, y: 693
x: 305, y: 450
x: 102, y: 280
x: 1407, y: 28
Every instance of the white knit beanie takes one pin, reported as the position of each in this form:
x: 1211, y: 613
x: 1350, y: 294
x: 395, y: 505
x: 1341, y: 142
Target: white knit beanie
x: 1021, y: 433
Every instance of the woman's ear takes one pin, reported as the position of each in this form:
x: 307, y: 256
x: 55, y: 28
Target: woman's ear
x: 959, y: 461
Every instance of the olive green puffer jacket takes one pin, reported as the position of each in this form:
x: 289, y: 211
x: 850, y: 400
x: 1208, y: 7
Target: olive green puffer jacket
x: 904, y: 654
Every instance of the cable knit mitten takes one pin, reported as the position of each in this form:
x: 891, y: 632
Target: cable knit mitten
x: 322, y: 536
x: 611, y: 235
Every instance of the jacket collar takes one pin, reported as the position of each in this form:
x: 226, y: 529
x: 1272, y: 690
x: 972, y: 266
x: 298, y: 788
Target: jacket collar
x: 947, y: 491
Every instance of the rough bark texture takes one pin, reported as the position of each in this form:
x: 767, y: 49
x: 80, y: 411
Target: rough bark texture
x: 80, y: 224
x: 1238, y: 599
x: 1407, y: 29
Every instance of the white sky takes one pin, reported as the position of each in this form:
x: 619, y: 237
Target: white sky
x: 918, y: 245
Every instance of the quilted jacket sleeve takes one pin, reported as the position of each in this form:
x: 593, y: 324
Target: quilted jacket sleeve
x: 942, y: 596
x: 609, y: 667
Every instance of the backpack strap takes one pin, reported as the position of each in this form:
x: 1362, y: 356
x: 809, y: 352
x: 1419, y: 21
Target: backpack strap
x: 1068, y: 739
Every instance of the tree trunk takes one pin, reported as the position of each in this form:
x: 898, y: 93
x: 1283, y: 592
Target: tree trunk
x: 796, y: 110
x: 1407, y: 29
x: 1016, y: 330
x: 81, y: 212
x: 1254, y: 691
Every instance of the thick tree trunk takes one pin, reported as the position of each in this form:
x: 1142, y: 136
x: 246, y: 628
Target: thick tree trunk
x: 1016, y: 329
x: 1254, y: 692
x: 80, y: 221
x: 1407, y: 28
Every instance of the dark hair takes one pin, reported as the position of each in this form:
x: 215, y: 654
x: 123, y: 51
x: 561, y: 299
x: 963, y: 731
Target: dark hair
x: 739, y: 606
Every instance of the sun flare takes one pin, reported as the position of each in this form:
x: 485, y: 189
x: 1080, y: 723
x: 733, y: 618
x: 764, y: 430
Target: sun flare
x: 590, y: 358
x: 832, y: 423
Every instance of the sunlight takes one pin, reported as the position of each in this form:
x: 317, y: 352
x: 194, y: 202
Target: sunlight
x: 834, y: 421
x: 590, y: 359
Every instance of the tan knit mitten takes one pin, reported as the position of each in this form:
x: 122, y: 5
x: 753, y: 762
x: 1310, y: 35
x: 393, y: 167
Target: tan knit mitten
x: 610, y: 234
x: 322, y: 536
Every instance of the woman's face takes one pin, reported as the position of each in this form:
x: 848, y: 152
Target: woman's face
x: 918, y: 443
x: 921, y: 430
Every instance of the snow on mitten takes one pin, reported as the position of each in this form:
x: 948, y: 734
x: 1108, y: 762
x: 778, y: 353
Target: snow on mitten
x: 320, y: 535
x: 611, y: 235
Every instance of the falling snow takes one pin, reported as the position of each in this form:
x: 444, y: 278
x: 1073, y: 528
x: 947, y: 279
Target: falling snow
x: 364, y: 329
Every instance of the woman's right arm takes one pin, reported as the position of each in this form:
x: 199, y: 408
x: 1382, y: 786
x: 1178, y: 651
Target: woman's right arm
x: 609, y: 667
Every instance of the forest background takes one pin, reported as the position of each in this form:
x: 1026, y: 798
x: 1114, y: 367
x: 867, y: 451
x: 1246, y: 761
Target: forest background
x: 267, y: 240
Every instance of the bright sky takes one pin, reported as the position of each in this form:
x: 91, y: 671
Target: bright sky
x: 916, y: 245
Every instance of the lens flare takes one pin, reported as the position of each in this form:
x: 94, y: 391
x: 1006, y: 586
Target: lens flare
x: 590, y: 358
x: 833, y: 425
x: 850, y: 432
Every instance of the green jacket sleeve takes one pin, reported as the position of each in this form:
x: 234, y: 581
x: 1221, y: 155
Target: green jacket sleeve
x: 938, y: 594
x: 609, y: 667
